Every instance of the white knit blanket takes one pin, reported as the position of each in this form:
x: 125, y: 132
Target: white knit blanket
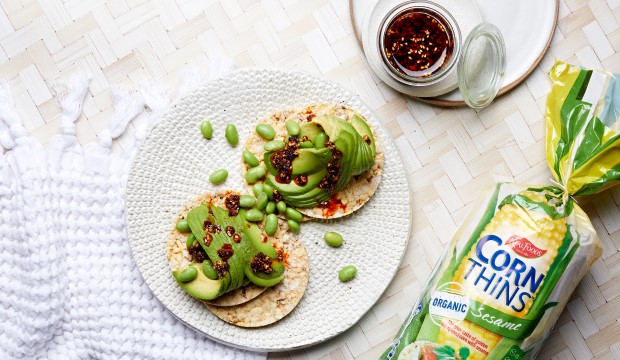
x: 69, y: 288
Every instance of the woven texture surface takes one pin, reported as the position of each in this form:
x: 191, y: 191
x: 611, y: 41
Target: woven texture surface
x: 450, y: 155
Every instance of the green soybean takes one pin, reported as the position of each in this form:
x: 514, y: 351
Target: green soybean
x: 320, y: 140
x: 274, y: 145
x: 191, y: 239
x: 206, y: 129
x: 293, y: 225
x: 188, y: 274
x: 268, y: 189
x: 281, y: 206
x: 333, y: 239
x: 261, y: 201
x: 293, y: 128
x: 293, y: 214
x: 254, y: 215
x: 306, y: 145
x: 265, y: 131
x: 247, y: 201
x: 218, y: 176
x: 270, y: 208
x: 182, y: 225
x: 257, y: 189
x: 271, y: 224
x: 208, y: 270
x: 347, y: 273
x: 250, y: 159
x: 231, y: 134
x: 255, y: 174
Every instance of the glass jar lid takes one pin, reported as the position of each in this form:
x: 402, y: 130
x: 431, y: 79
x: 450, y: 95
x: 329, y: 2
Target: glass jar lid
x: 481, y: 66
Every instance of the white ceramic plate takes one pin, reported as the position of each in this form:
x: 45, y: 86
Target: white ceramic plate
x: 526, y: 25
x: 173, y: 166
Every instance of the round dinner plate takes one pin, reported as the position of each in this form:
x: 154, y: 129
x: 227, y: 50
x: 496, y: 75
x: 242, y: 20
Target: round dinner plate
x: 173, y: 167
x: 526, y: 25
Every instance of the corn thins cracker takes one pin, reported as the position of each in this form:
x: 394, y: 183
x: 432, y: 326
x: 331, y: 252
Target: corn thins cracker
x: 513, y: 263
x: 277, y: 301
x: 359, y: 189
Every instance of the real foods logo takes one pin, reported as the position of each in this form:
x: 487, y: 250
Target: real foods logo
x: 449, y: 301
x: 522, y: 246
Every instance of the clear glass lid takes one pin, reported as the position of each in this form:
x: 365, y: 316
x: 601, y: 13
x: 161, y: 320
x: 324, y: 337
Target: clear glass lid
x: 481, y: 65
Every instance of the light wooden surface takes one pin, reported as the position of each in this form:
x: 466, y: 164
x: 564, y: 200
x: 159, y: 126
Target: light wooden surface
x: 450, y: 154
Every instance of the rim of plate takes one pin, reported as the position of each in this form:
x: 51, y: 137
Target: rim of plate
x: 149, y: 253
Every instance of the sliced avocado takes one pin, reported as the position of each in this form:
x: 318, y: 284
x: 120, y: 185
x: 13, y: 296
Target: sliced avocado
x: 241, y: 250
x: 309, y: 199
x: 311, y: 130
x: 254, y: 235
x: 293, y: 189
x: 201, y: 287
x: 363, y: 129
x: 310, y: 160
x: 270, y: 169
x: 262, y: 279
x: 196, y: 219
x: 357, y: 156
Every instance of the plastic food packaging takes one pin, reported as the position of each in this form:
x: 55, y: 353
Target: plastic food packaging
x: 514, y: 261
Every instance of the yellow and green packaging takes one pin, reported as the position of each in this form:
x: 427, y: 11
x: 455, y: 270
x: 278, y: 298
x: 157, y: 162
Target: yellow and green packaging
x: 514, y: 261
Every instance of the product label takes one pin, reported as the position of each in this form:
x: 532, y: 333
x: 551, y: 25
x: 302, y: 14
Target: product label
x: 509, y: 273
x: 449, y: 301
x: 499, y: 322
x: 449, y: 305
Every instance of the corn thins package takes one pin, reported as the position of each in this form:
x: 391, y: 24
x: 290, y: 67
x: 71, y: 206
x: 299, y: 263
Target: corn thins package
x: 513, y: 263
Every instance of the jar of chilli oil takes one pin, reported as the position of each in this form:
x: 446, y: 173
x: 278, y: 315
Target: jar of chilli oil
x: 420, y: 47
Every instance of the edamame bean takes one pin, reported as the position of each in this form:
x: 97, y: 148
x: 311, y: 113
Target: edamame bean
x: 257, y: 189
x: 247, y: 201
x: 271, y: 224
x: 231, y: 134
x: 218, y: 176
x: 274, y: 145
x: 306, y: 145
x: 293, y: 128
x: 208, y: 270
x: 191, y: 239
x: 265, y: 131
x: 182, y: 226
x: 268, y: 190
x: 293, y: 214
x: 333, y: 239
x: 293, y: 225
x: 261, y: 202
x: 206, y: 129
x: 347, y: 273
x: 320, y: 140
x: 255, y: 174
x: 250, y: 159
x: 188, y: 274
x: 281, y: 206
x: 270, y: 208
x: 254, y: 215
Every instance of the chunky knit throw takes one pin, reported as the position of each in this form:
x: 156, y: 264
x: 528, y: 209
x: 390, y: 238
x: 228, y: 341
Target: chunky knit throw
x: 69, y: 288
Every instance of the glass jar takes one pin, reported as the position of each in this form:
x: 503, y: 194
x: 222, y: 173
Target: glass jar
x: 420, y: 46
x: 419, y: 42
